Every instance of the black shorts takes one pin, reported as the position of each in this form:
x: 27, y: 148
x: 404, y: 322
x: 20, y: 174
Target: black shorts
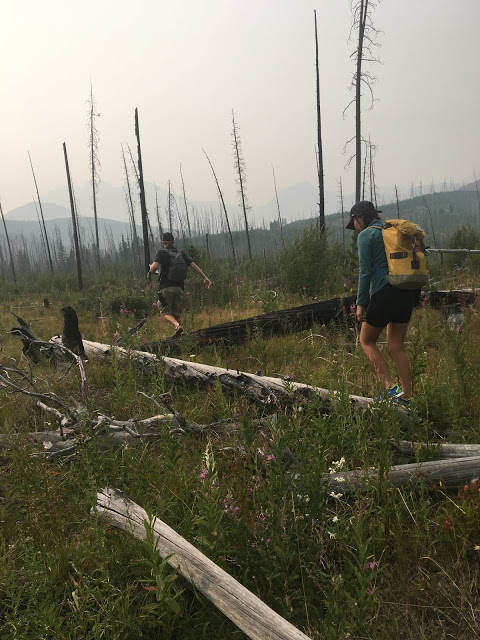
x: 390, y: 304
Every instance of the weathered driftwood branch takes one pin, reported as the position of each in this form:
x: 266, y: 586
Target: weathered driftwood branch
x: 7, y: 383
x: 442, y: 450
x: 66, y: 440
x: 450, y: 473
x: 244, y: 609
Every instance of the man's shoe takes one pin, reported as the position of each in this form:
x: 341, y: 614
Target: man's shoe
x: 178, y: 332
x: 390, y: 394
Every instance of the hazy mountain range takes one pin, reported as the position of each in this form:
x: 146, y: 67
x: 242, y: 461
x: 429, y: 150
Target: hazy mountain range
x: 298, y: 205
x: 297, y: 201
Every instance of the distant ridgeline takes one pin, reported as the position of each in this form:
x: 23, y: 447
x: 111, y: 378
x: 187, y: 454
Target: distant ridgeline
x: 446, y: 211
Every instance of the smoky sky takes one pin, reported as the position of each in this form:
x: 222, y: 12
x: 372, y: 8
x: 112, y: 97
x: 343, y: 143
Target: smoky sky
x: 187, y: 64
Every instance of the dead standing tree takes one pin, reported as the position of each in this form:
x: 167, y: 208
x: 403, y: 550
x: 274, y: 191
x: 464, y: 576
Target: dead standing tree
x: 232, y: 245
x: 94, y: 165
x: 131, y: 211
x: 239, y: 164
x: 12, y: 264
x: 41, y: 215
x: 186, y: 206
x: 280, y: 224
x: 143, y: 204
x: 361, y: 11
x: 321, y: 186
x: 74, y: 221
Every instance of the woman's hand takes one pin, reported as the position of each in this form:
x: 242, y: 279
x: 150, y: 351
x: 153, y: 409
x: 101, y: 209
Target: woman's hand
x: 360, y: 313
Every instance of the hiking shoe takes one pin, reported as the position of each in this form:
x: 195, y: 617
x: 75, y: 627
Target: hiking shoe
x: 402, y: 402
x: 178, y: 332
x: 390, y: 394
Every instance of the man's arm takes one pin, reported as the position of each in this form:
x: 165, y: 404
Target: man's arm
x: 153, y: 267
x: 196, y: 268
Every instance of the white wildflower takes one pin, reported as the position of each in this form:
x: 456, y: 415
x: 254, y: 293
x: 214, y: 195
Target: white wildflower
x: 335, y: 519
x: 337, y: 465
x: 337, y: 496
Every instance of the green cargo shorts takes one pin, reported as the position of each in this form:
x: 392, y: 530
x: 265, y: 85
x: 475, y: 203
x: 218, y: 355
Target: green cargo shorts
x: 170, y: 299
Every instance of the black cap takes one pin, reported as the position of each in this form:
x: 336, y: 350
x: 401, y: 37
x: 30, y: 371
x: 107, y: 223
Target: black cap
x: 167, y: 236
x: 358, y: 209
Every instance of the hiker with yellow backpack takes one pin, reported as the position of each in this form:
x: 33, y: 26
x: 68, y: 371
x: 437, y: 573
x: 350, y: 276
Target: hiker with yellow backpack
x: 392, y: 270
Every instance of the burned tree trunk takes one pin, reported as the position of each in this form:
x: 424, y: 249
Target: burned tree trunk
x: 74, y: 222
x: 321, y: 186
x: 143, y: 204
x: 71, y: 337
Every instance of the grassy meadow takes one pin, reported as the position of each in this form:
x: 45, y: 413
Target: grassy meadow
x: 394, y: 563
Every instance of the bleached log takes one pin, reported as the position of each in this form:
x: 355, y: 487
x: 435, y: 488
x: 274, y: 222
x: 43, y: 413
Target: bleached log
x: 243, y: 608
x: 264, y: 390
x: 443, y: 450
x: 450, y: 473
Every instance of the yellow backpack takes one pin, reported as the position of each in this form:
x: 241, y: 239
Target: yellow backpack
x: 407, y: 265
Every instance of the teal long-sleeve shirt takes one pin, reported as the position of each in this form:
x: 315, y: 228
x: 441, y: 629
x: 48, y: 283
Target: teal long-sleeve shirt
x: 373, y: 267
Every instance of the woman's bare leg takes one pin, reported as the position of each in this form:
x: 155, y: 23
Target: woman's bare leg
x: 396, y: 334
x: 368, y: 339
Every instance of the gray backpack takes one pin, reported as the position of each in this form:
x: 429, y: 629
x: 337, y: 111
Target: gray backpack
x: 177, y: 271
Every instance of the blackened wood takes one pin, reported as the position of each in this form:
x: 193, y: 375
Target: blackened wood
x: 41, y: 215
x: 74, y: 222
x: 321, y: 187
x: 12, y: 264
x: 438, y: 299
x: 143, y: 204
x: 272, y: 323
x: 300, y: 318
x: 71, y: 337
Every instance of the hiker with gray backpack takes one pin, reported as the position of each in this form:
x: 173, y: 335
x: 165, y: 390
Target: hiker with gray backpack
x: 392, y: 270
x: 173, y: 265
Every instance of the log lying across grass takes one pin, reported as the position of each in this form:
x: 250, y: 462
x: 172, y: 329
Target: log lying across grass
x: 442, y: 450
x: 451, y: 473
x: 301, y: 318
x: 263, y: 390
x: 278, y: 322
x: 243, y: 608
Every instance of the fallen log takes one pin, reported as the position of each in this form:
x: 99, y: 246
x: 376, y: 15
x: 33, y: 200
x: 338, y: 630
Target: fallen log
x: 442, y: 450
x: 299, y: 319
x: 439, y: 298
x: 263, y: 390
x: 278, y: 322
x: 448, y: 474
x: 243, y: 608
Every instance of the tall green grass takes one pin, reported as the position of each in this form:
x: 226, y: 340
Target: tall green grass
x: 388, y: 563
